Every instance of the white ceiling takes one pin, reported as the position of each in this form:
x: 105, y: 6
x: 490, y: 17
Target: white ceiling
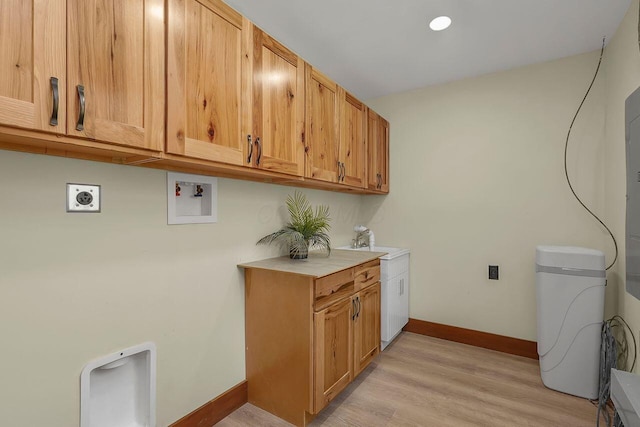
x: 380, y: 47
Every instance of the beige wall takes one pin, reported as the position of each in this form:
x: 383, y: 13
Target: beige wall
x: 622, y: 62
x: 478, y: 179
x: 75, y: 287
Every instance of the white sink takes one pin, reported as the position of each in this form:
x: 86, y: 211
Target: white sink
x: 391, y: 252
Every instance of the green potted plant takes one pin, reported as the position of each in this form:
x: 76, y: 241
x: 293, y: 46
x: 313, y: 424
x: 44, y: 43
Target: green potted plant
x: 305, y: 229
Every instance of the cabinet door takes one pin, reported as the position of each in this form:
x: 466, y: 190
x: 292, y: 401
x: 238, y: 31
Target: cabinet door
x: 403, y: 302
x: 322, y: 126
x: 333, y: 330
x: 383, y: 155
x: 366, y: 338
x: 204, y: 93
x: 32, y: 52
x: 352, y: 143
x: 116, y: 74
x: 278, y: 106
x: 378, y: 153
x: 373, y: 129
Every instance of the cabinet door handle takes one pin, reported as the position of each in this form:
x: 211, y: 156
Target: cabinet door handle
x: 259, y: 151
x: 358, y: 303
x: 353, y: 308
x: 56, y: 101
x: 344, y: 171
x: 250, y: 146
x: 339, y: 171
x: 80, y: 124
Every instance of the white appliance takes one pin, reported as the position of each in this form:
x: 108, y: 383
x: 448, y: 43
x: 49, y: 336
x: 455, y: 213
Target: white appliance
x: 625, y: 393
x: 394, y: 300
x: 570, y: 306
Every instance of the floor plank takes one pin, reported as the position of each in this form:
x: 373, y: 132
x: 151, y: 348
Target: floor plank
x: 424, y: 381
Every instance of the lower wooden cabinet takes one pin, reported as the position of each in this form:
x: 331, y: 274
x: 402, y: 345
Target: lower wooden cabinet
x: 366, y: 331
x: 347, y: 338
x: 308, y: 337
x: 333, y: 331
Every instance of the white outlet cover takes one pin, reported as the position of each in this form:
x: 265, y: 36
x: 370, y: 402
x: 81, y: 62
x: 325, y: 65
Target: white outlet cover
x: 83, y: 198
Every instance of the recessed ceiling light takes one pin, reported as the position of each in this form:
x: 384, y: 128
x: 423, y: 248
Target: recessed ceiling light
x: 440, y: 23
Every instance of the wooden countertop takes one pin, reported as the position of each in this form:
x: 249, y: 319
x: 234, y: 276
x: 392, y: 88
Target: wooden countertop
x: 318, y: 264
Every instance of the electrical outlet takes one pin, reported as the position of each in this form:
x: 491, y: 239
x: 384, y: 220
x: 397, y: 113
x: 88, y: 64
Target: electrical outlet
x: 493, y: 272
x: 83, y: 198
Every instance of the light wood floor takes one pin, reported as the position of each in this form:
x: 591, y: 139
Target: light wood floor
x: 423, y: 381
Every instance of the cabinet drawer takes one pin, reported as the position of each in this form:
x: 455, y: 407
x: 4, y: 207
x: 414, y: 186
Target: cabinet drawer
x: 331, y: 288
x: 367, y: 274
x: 394, y: 267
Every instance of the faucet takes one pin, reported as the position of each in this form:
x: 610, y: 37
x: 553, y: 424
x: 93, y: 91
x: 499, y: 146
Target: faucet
x: 363, y: 232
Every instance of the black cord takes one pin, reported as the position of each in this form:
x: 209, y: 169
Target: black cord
x: 566, y: 146
x: 613, y: 354
x: 618, y: 318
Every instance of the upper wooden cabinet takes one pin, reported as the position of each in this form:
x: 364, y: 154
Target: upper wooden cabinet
x: 115, y: 62
x: 378, y: 153
x: 204, y: 85
x: 87, y: 79
x: 33, y: 64
x: 277, y: 100
x: 102, y: 80
x: 322, y: 127
x: 335, y: 132
x: 353, y: 140
x: 235, y: 95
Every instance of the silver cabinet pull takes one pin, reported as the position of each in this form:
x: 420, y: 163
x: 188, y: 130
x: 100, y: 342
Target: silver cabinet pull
x: 53, y: 121
x: 250, y: 146
x: 80, y: 124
